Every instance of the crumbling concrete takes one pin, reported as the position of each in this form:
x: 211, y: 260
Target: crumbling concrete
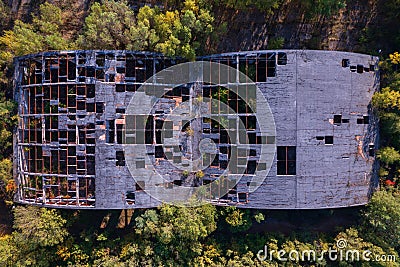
x: 74, y: 149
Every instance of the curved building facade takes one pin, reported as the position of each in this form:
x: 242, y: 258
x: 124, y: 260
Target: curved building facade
x: 285, y: 129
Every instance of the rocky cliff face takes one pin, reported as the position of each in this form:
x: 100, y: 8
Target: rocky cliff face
x: 22, y: 9
x: 252, y: 30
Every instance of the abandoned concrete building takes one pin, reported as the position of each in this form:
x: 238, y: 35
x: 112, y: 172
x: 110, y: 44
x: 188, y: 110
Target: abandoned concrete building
x: 287, y: 129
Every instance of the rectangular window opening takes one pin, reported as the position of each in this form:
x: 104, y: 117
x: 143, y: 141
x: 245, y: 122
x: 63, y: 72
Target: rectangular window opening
x: 159, y: 152
x: 120, y: 133
x: 110, y: 132
x: 345, y: 63
x: 328, y: 140
x: 90, y: 107
x: 177, y: 182
x: 366, y: 119
x: 261, y: 68
x: 140, y: 185
x: 120, y: 88
x: 120, y: 110
x: 371, y: 150
x: 120, y: 157
x: 360, y: 68
x: 131, y: 87
x: 337, y: 119
x: 286, y: 160
x: 271, y: 64
x: 251, y: 167
x: 130, y: 197
x: 99, y: 107
x: 242, y: 197
x: 282, y: 58
x: 90, y: 91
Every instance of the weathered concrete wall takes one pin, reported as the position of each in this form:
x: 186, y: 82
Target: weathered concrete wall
x: 304, y: 96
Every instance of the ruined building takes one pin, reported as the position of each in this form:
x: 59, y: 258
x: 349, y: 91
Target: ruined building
x: 287, y: 129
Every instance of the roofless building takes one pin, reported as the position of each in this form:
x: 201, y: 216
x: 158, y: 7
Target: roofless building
x: 287, y: 129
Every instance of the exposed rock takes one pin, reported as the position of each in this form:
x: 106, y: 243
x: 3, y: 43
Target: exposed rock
x: 251, y: 30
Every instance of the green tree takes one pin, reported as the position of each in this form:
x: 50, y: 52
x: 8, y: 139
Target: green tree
x: 48, y: 25
x: 176, y: 233
x: 5, y: 177
x: 382, y: 219
x: 267, y: 6
x: 237, y: 219
x: 259, y: 217
x: 7, y: 121
x: 42, y: 34
x: 387, y: 104
x: 322, y: 7
x: 356, y: 242
x: 74, y: 13
x: 4, y: 16
x: 6, y: 250
x: 107, y: 26
x: 276, y: 43
x: 23, y: 39
x: 180, y: 32
x: 387, y: 99
x: 389, y: 155
x: 211, y: 255
x: 390, y: 128
x: 143, y: 36
x: 36, y: 236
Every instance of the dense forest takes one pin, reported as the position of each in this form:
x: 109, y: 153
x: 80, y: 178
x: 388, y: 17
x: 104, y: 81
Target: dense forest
x: 204, y: 235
